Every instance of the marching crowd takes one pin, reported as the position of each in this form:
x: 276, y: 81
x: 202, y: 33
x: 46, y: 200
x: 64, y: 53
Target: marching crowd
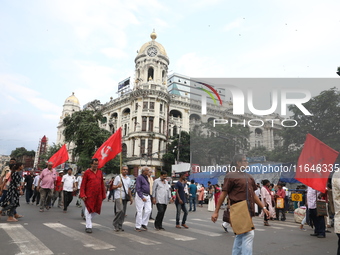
x: 268, y: 201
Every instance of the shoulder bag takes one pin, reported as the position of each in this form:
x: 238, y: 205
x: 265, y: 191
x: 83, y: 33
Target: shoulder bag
x: 127, y: 196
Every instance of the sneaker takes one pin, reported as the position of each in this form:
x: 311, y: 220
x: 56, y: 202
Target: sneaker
x: 145, y: 228
x: 224, y: 228
x: 303, y: 229
x: 88, y: 230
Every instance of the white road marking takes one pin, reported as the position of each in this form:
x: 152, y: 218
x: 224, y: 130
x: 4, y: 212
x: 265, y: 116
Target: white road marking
x: 27, y: 243
x: 165, y: 233
x: 133, y: 238
x: 197, y: 231
x: 86, y: 239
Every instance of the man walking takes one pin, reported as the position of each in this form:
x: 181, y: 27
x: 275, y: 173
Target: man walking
x: 318, y: 221
x: 36, y: 193
x: 181, y: 201
x: 29, y: 186
x: 161, y: 197
x: 92, y: 191
x: 68, y: 186
x: 122, y: 191
x: 46, y: 185
x: 58, y: 190
x: 192, y: 195
x: 240, y: 186
x: 78, y: 184
x: 143, y: 200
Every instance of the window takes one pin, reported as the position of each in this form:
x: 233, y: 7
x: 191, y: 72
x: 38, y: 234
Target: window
x: 152, y: 105
x: 136, y: 106
x: 160, y: 126
x: 144, y: 123
x: 125, y: 129
x: 142, y: 146
x: 150, y: 73
x: 161, y: 107
x: 151, y: 124
x: 149, y: 147
x: 175, y: 130
x: 133, y: 147
x: 145, y: 105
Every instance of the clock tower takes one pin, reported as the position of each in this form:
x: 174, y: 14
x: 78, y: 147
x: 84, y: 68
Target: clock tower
x: 151, y: 63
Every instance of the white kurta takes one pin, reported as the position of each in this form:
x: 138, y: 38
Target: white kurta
x: 336, y: 199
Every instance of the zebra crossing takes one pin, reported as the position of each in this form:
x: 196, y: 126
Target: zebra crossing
x: 28, y: 243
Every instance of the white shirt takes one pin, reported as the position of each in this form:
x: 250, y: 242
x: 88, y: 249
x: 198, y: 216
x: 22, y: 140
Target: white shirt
x: 78, y: 180
x: 36, y: 180
x: 126, y: 183
x: 312, y: 196
x: 68, y: 181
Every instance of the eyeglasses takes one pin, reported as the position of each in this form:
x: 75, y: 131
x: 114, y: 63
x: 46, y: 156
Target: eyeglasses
x: 245, y: 160
x: 125, y: 169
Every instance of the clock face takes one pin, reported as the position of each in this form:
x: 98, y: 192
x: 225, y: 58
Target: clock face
x: 152, y: 51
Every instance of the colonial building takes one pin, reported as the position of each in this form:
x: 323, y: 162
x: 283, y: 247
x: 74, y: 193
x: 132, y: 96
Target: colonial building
x: 158, y: 107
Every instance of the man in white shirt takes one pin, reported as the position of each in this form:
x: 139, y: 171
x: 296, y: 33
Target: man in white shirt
x: 68, y: 184
x: 36, y: 193
x: 78, y: 184
x: 161, y: 197
x: 121, y: 187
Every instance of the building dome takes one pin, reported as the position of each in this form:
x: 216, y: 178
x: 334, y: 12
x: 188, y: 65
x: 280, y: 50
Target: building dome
x: 72, y: 99
x: 160, y: 47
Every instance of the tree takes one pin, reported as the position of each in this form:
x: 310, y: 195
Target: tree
x: 24, y: 156
x: 50, y: 152
x: 184, y: 151
x: 83, y: 129
x: 217, y: 145
x: 323, y: 124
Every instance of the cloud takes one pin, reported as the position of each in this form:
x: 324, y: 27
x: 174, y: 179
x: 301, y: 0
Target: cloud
x: 191, y: 64
x: 114, y: 53
x: 16, y: 86
x: 234, y: 24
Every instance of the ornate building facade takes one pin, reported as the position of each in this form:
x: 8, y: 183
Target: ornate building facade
x: 152, y: 112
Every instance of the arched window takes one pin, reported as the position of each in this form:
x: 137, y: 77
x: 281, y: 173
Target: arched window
x: 150, y: 73
x: 124, y: 150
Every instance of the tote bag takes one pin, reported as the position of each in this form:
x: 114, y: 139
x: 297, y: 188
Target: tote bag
x: 240, y: 219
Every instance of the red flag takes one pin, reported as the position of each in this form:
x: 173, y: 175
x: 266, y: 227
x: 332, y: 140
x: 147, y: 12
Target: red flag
x: 109, y: 149
x: 59, y: 157
x: 315, y: 163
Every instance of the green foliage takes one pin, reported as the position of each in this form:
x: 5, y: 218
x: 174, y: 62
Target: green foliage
x: 184, y: 151
x: 45, y: 157
x: 323, y: 124
x: 217, y: 145
x: 82, y: 128
x: 258, y: 151
x: 20, y: 152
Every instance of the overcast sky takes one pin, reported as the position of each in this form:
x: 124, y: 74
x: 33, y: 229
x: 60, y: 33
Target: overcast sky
x: 49, y: 49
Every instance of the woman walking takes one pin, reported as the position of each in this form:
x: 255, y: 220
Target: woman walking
x: 201, y: 195
x: 11, y: 201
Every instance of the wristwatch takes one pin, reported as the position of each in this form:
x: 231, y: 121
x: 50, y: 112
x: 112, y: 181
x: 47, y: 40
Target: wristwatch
x: 264, y: 207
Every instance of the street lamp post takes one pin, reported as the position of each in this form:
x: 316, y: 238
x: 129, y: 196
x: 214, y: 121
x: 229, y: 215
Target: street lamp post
x: 179, y: 142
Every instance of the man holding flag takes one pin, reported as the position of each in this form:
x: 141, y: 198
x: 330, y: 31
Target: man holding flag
x: 92, y: 189
x: 313, y: 168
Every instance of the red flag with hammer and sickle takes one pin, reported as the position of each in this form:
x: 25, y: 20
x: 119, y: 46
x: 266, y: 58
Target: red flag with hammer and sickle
x: 59, y: 157
x: 315, y: 163
x: 109, y: 149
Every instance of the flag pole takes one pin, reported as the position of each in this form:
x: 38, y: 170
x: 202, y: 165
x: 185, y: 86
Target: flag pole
x: 120, y: 169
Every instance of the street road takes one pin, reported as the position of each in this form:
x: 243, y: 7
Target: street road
x: 55, y: 232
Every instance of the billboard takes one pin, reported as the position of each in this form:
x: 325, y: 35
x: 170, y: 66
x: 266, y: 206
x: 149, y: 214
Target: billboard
x: 124, y: 84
